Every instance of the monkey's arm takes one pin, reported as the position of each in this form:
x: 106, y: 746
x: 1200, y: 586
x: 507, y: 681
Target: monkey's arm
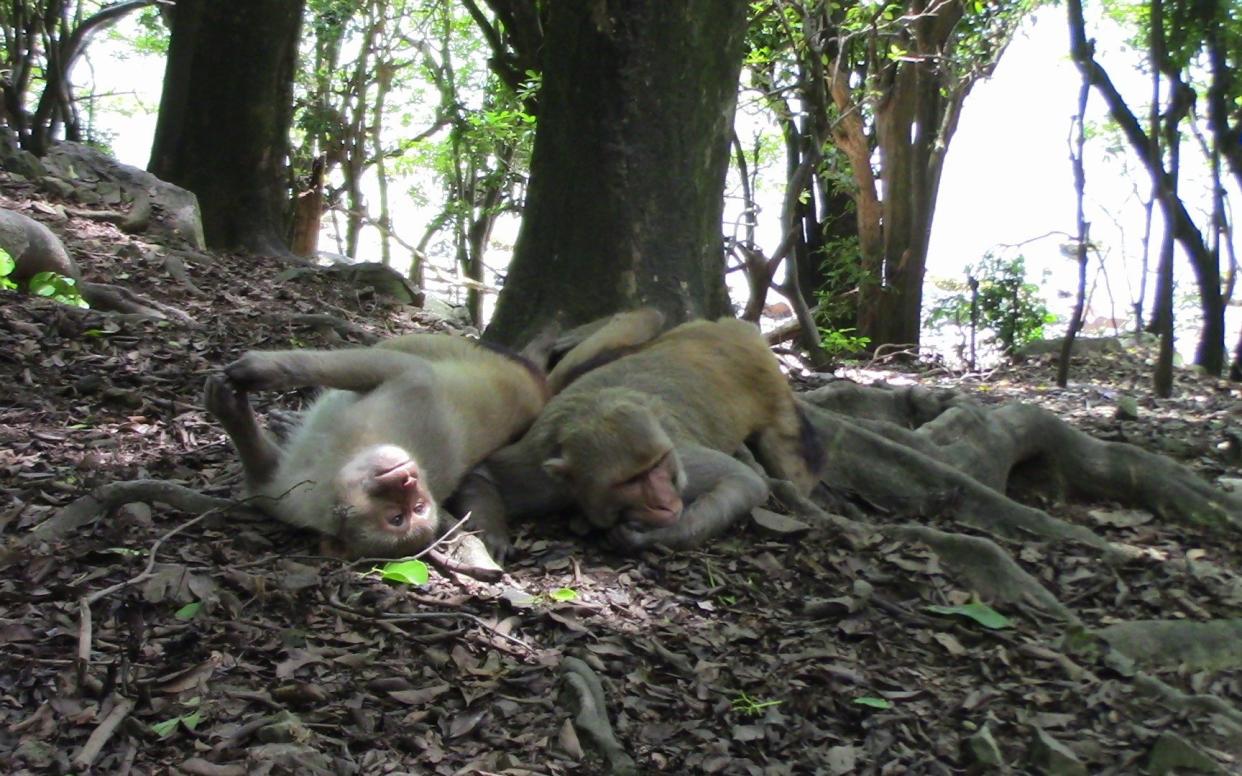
x: 720, y: 490
x: 352, y: 369
x: 509, y: 483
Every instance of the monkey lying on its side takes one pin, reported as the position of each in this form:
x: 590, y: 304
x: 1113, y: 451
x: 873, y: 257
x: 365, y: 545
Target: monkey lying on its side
x: 642, y: 445
x: 375, y: 456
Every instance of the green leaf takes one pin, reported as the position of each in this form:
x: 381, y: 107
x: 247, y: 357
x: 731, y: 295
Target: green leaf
x: 191, y: 720
x: 188, y: 611
x: 563, y: 594
x: 979, y: 612
x: 165, y: 729
x: 407, y: 572
x: 7, y: 264
x: 873, y: 702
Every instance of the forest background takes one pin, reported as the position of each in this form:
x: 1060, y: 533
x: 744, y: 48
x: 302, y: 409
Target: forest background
x: 1007, y: 184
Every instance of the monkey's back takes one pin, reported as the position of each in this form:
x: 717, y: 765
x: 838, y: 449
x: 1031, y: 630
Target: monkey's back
x: 716, y: 383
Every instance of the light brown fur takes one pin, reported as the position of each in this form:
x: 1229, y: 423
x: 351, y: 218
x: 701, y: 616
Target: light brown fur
x: 671, y: 412
x: 442, y: 402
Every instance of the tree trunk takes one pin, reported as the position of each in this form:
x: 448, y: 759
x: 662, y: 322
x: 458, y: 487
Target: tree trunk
x: 224, y: 116
x: 624, y: 203
x: 1210, y: 353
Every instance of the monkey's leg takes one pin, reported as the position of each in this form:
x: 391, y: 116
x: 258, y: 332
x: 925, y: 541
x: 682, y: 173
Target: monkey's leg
x: 352, y: 369
x: 259, y: 454
x: 792, y: 451
x: 587, y: 344
x: 720, y: 490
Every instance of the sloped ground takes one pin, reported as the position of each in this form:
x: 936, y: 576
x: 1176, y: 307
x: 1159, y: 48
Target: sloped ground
x: 745, y: 658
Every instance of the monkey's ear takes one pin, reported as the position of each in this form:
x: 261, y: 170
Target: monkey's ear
x: 557, y: 468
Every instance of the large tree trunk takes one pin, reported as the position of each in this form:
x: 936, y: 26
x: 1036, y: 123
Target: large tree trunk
x: 630, y: 155
x: 224, y: 116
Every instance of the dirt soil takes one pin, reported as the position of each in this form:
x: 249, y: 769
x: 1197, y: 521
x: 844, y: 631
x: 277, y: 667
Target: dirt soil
x: 241, y: 651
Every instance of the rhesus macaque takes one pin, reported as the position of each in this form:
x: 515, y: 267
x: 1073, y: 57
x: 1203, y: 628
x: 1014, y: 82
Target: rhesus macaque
x: 374, y: 457
x: 642, y: 445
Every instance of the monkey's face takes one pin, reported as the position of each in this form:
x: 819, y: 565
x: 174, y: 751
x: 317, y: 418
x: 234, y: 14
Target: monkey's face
x: 384, y: 506
x: 622, y: 468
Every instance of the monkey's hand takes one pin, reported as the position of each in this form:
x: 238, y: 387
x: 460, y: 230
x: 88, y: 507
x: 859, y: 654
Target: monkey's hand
x: 259, y: 370
x: 719, y: 489
x: 479, y: 495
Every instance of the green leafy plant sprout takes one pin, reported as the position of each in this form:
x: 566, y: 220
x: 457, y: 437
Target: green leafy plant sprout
x: 1008, y: 307
x: 190, y: 721
x: 7, y: 265
x: 56, y: 287
x: 405, y: 572
x: 841, y: 342
x: 751, y: 707
x: 189, y: 611
x: 563, y: 595
x: 977, y: 611
x: 873, y: 702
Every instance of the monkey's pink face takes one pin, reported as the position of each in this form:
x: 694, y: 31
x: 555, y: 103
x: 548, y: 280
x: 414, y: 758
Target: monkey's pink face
x: 387, y: 507
x: 651, y: 498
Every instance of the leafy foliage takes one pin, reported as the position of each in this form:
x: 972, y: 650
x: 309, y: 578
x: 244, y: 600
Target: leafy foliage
x: 7, y: 265
x: 56, y: 287
x: 1007, y: 304
x: 405, y: 572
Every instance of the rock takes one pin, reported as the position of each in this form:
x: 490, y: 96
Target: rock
x: 175, y: 210
x: 1050, y: 756
x: 1127, y: 408
x: 57, y: 187
x: 34, y: 247
x: 983, y: 749
x: 1173, y: 754
x: 14, y: 159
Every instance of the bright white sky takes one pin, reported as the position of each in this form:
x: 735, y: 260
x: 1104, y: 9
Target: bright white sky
x: 1007, y: 178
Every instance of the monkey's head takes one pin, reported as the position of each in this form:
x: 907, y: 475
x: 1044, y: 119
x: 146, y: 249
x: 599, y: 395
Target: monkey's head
x: 620, y: 464
x: 384, y: 507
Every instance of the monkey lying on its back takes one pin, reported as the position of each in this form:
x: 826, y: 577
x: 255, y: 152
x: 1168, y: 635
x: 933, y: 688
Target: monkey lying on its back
x: 643, y: 445
x: 373, y: 458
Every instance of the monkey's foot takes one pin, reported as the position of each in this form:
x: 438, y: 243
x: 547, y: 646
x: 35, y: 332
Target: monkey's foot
x: 222, y: 399
x: 259, y: 371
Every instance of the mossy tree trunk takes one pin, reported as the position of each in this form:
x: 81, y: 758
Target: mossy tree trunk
x: 223, y: 127
x: 625, y: 197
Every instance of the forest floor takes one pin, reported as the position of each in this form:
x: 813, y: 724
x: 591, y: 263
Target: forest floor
x: 765, y: 653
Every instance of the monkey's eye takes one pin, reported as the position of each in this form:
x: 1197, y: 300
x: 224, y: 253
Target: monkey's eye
x: 397, y: 520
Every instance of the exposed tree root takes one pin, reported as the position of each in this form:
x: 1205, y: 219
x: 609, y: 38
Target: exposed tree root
x: 382, y: 279
x: 117, y: 494
x: 905, y: 480
x: 986, y: 567
x: 583, y: 695
x: 1171, y: 643
x: 1208, y: 704
x: 117, y: 299
x: 1010, y: 447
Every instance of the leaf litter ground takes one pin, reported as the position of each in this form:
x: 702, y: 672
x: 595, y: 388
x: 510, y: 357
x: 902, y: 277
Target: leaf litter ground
x: 766, y: 653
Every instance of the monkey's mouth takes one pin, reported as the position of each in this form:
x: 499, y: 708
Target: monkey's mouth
x: 654, y: 517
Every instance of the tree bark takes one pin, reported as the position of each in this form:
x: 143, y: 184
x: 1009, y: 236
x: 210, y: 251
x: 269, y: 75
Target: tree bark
x: 1210, y: 353
x: 624, y: 203
x: 224, y: 116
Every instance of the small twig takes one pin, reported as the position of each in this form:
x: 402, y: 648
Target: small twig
x: 90, y: 750
x: 443, y: 537
x: 84, y: 604
x: 382, y: 617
